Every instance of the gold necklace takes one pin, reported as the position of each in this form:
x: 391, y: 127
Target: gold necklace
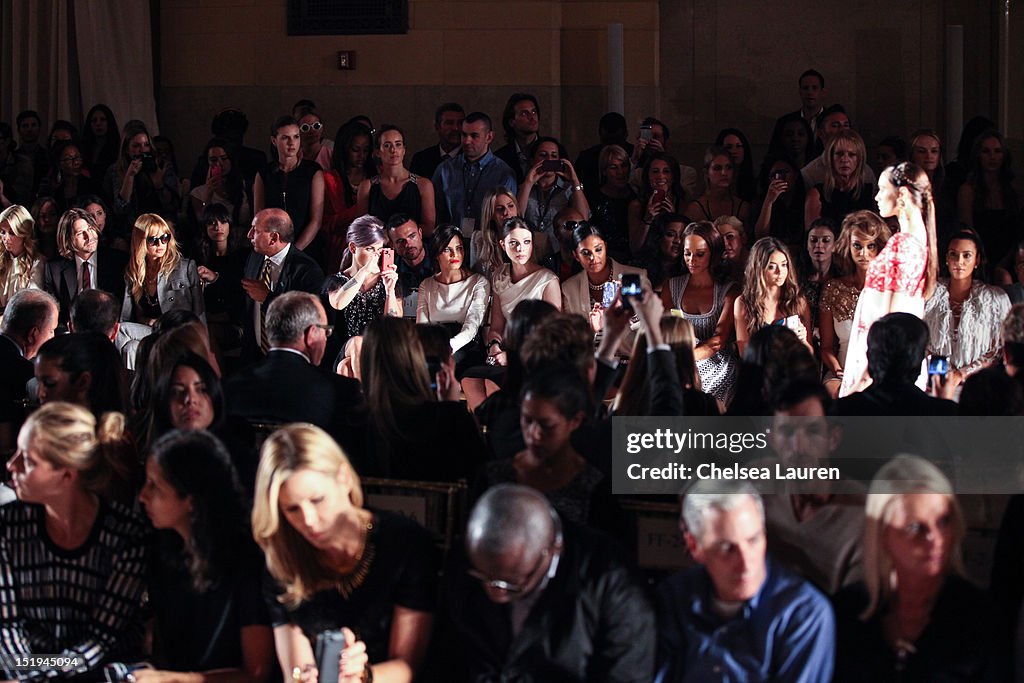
x: 600, y: 287
x: 348, y: 583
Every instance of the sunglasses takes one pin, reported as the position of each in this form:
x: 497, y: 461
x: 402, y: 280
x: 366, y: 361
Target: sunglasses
x: 154, y: 240
x: 306, y: 127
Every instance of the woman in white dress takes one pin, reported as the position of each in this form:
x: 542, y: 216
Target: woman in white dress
x: 862, y: 237
x: 454, y: 296
x: 964, y: 315
x: 516, y: 281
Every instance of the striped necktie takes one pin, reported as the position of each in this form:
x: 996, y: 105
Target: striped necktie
x: 265, y: 278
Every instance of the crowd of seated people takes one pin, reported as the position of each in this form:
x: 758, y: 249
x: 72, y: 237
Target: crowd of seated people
x: 203, y: 377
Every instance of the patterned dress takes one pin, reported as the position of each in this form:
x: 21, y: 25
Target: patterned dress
x: 717, y: 373
x: 899, y: 268
x: 840, y: 299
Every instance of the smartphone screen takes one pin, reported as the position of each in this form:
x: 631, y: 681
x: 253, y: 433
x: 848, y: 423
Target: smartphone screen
x: 551, y: 166
x: 938, y: 365
x: 608, y: 296
x: 631, y: 285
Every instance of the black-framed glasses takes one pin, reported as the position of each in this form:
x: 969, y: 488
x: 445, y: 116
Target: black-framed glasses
x: 306, y: 127
x: 71, y: 159
x: 328, y: 329
x: 571, y: 226
x: 154, y: 240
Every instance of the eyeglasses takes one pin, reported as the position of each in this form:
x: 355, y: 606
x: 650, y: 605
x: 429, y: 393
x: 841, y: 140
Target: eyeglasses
x: 306, y: 127
x: 328, y: 329
x: 154, y: 240
x: 71, y: 160
x: 554, y: 551
x: 572, y: 225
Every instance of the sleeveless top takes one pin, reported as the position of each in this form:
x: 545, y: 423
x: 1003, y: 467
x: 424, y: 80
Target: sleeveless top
x: 407, y: 201
x: 706, y: 209
x: 290, y: 191
x: 717, y: 373
x: 843, y: 203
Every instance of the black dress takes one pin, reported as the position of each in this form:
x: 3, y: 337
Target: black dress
x: 956, y: 645
x: 402, y: 573
x: 293, y: 192
x: 407, y: 201
x: 202, y: 631
x: 842, y: 202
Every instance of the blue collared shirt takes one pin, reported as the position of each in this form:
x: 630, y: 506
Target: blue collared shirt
x: 786, y: 633
x: 462, y: 184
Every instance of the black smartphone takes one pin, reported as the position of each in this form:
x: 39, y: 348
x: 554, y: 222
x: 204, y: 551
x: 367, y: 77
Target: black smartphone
x: 938, y: 365
x: 433, y: 367
x: 631, y: 285
x: 552, y: 166
x: 646, y: 133
x: 779, y: 175
x: 148, y: 162
x: 329, y: 645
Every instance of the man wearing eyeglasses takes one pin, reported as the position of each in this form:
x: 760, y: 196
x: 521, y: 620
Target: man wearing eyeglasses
x: 539, y: 599
x: 738, y: 616
x: 287, y: 386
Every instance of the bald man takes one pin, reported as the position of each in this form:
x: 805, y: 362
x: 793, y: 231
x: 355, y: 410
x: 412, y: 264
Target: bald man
x: 288, y: 269
x: 588, y: 616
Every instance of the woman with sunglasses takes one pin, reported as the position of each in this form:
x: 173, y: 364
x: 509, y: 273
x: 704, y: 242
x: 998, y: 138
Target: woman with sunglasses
x: 158, y: 279
x: 311, y: 135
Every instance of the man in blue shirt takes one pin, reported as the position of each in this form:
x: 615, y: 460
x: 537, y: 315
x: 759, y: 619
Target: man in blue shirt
x: 738, y: 616
x: 461, y: 181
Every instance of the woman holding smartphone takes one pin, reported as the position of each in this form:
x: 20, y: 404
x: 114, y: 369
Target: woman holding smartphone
x: 367, y: 287
x: 338, y: 565
x: 705, y: 297
x: 589, y: 292
x: 964, y: 315
x: 550, y: 185
x: 770, y: 294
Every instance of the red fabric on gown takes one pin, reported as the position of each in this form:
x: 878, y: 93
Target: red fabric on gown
x: 337, y: 216
x: 900, y: 267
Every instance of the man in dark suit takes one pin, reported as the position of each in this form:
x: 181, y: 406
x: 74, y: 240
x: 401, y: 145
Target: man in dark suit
x: 896, y: 348
x: 448, y: 124
x: 287, y: 386
x: 273, y: 268
x: 28, y: 322
x: 77, y: 241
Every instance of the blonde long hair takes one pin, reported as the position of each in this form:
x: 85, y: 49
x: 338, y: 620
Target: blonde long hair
x: 901, y: 476
x: 291, y: 559
x: 491, y: 256
x: 850, y: 137
x: 149, y: 225
x: 21, y: 224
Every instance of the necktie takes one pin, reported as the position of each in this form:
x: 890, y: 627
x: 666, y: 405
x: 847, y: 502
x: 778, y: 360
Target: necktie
x: 265, y: 279
x: 85, y: 281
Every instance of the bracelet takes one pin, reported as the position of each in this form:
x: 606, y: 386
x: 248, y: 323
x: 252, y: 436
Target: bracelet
x: 578, y: 188
x: 493, y: 342
x: 367, y: 674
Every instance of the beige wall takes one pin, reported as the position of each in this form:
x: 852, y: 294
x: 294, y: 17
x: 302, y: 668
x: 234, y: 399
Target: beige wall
x: 236, y: 52
x: 697, y: 64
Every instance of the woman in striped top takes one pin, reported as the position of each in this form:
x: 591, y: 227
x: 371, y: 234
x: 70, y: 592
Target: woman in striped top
x: 72, y: 561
